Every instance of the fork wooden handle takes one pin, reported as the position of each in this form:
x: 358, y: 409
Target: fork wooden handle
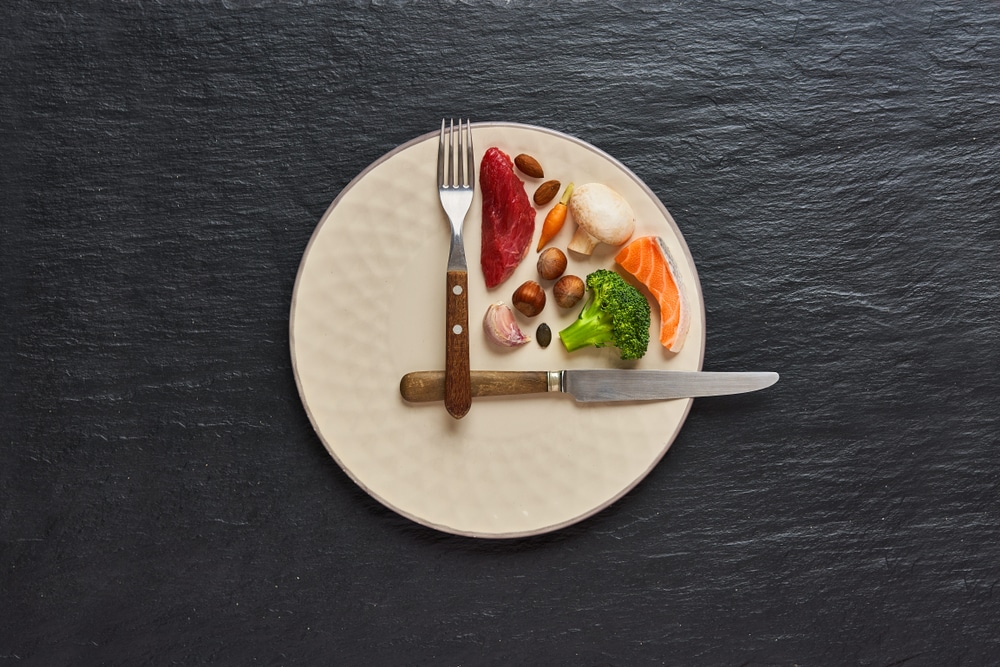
x: 458, y: 385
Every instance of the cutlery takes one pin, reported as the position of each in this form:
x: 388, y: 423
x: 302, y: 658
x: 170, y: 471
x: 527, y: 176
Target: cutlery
x: 590, y: 385
x: 456, y: 169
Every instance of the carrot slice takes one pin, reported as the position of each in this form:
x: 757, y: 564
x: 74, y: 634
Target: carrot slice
x: 648, y: 259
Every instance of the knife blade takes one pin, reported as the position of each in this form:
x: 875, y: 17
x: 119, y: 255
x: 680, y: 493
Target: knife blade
x: 591, y: 385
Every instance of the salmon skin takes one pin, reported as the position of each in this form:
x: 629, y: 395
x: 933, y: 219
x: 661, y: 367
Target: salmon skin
x: 508, y: 217
x: 648, y: 259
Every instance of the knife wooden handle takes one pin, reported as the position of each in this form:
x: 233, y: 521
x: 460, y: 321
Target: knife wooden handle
x: 423, y: 386
x: 457, y: 384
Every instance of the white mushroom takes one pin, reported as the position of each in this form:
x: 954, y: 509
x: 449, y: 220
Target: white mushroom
x: 602, y: 216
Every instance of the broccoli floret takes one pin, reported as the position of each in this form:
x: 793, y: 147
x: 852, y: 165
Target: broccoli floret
x: 616, y: 314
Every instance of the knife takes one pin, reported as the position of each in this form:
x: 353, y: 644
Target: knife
x: 590, y: 385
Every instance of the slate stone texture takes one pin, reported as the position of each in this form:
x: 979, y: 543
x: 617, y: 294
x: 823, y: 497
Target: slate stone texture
x: 833, y: 167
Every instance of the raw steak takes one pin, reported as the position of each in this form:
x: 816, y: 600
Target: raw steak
x: 508, y: 217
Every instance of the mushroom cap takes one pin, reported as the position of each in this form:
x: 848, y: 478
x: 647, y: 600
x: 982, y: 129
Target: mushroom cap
x: 603, y: 213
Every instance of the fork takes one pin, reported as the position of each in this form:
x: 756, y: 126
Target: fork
x: 455, y: 187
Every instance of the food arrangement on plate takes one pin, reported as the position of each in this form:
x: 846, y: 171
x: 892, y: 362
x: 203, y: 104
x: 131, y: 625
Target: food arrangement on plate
x: 366, y: 320
x: 615, y: 313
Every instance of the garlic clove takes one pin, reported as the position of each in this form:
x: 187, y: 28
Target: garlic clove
x: 501, y: 327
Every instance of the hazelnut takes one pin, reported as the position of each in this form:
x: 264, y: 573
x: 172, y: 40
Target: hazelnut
x: 529, y: 298
x: 551, y: 263
x: 568, y: 291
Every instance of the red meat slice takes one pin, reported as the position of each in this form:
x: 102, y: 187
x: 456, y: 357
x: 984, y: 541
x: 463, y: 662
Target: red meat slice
x: 508, y: 217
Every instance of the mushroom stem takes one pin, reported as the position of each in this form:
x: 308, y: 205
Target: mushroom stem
x: 582, y: 242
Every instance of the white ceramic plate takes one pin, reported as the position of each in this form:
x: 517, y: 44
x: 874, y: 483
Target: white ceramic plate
x: 368, y: 306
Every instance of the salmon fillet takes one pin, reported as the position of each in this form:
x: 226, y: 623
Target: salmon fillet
x: 648, y: 259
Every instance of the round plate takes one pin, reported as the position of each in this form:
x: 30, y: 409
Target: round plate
x: 369, y: 306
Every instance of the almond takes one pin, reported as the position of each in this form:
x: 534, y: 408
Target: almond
x: 529, y: 165
x: 546, y: 192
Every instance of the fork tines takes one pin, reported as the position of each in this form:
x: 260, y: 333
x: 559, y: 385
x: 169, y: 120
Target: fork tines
x: 465, y: 177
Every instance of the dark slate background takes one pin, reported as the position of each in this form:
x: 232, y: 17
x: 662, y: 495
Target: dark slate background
x: 833, y: 167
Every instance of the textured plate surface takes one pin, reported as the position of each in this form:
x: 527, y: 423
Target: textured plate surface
x: 368, y: 306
